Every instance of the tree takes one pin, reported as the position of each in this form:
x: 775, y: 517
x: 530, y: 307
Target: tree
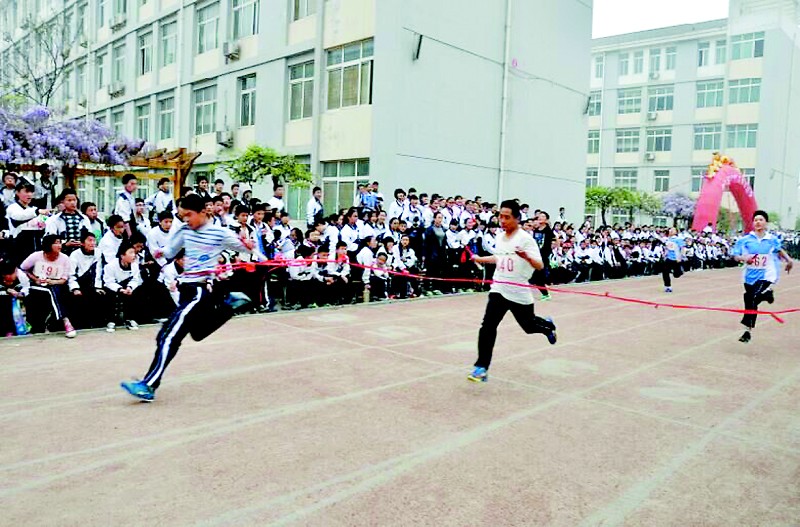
x: 637, y: 201
x: 728, y: 220
x: 37, y: 62
x: 603, y: 198
x: 259, y: 162
x: 37, y: 135
x: 678, y: 207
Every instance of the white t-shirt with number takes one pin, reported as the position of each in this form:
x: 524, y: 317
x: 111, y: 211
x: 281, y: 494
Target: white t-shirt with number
x: 512, y: 268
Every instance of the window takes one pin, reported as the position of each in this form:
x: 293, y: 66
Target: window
x: 350, y: 75
x: 102, y: 13
x: 659, y: 140
x: 594, y: 141
x: 67, y: 84
x: 672, y: 58
x: 169, y: 32
x: 100, y: 117
x: 749, y: 175
x: 120, y: 7
x: 118, y: 121
x: 721, y: 55
x: 655, y: 60
x: 592, y: 179
x: 245, y: 18
x: 303, y: 8
x: 166, y: 109
x: 247, y: 100
x: 703, y: 52
x: 661, y: 178
x: 660, y: 221
x: 301, y: 90
x: 207, y: 26
x: 708, y: 136
x: 599, y: 66
x: 747, y: 46
x: 710, y: 94
x: 205, y: 110
x: 81, y: 17
x: 629, y: 101
x: 745, y: 91
x: 625, y: 178
x: 100, y: 62
x: 628, y: 140
x: 742, y: 136
x: 143, y: 121
x: 80, y: 81
x: 661, y: 98
x: 340, y: 180
x: 145, y: 53
x: 595, y: 103
x: 118, y: 63
x: 619, y: 216
x: 624, y: 64
x: 638, y: 62
x: 698, y: 174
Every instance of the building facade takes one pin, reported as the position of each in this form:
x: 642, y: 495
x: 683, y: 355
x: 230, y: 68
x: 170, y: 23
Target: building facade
x: 445, y: 96
x: 663, y: 101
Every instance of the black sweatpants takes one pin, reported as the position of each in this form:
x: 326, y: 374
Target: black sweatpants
x: 496, y: 309
x: 673, y: 267
x: 753, y: 295
x: 199, y: 313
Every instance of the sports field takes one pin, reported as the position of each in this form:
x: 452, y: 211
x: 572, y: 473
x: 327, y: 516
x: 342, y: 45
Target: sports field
x: 363, y: 416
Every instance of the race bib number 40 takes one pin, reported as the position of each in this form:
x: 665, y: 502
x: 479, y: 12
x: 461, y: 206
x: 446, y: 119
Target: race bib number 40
x: 759, y: 261
x: 505, y: 263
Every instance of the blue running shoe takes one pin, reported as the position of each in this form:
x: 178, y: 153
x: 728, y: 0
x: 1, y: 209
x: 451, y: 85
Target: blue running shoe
x: 551, y: 337
x: 667, y: 289
x: 140, y: 390
x: 236, y: 300
x: 478, y: 375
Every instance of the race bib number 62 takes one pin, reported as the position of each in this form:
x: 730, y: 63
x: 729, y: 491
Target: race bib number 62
x: 759, y: 261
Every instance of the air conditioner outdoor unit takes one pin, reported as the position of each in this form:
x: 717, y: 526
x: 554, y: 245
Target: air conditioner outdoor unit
x: 652, y: 116
x: 83, y: 41
x: 118, y: 22
x: 650, y: 156
x: 82, y: 102
x: 231, y: 50
x: 116, y: 89
x: 654, y: 75
x: 225, y: 138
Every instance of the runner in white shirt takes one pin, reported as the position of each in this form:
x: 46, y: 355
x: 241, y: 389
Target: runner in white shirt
x: 516, y: 256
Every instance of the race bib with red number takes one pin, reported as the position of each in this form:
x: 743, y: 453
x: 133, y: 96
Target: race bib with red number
x: 759, y: 261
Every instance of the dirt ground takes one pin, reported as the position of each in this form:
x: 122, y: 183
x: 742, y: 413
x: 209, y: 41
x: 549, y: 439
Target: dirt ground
x: 363, y: 416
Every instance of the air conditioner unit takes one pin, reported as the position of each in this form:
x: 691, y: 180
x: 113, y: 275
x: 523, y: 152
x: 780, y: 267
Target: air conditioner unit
x: 652, y: 116
x: 118, y: 22
x: 225, y: 138
x: 231, y: 50
x: 82, y: 102
x: 83, y: 41
x: 116, y: 89
x: 650, y: 156
x: 654, y: 75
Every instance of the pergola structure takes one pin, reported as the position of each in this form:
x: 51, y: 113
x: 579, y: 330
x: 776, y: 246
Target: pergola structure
x: 178, y: 161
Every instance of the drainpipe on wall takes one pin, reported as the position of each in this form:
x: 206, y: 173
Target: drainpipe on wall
x: 176, y: 118
x: 504, y: 104
x: 319, y: 103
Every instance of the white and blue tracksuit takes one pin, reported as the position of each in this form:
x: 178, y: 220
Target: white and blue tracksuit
x: 199, y: 312
x: 761, y: 272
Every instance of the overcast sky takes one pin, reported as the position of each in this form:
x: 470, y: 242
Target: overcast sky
x: 614, y: 17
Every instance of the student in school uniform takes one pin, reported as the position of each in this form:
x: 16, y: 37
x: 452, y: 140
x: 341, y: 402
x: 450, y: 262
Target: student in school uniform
x: 673, y: 258
x: 376, y: 278
x: 398, y: 207
x: 314, y: 210
x: 94, y: 224
x: 88, y: 301
x: 121, y: 278
x: 14, y: 287
x: 26, y: 223
x: 125, y: 206
x: 455, y: 248
x: 405, y: 262
x: 68, y: 223
x: 303, y: 285
x: 350, y: 233
x: 48, y: 271
x: 338, y: 275
x: 169, y: 277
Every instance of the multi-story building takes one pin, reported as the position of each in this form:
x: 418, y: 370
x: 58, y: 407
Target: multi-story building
x: 663, y: 101
x: 447, y: 96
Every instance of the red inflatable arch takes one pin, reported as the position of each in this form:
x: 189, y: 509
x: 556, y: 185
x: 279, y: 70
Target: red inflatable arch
x: 723, y: 175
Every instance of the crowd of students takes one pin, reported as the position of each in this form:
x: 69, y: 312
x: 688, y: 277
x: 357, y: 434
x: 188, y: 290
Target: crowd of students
x: 63, y: 268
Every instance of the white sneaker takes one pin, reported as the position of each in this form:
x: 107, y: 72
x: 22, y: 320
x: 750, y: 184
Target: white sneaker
x: 132, y: 325
x: 111, y: 327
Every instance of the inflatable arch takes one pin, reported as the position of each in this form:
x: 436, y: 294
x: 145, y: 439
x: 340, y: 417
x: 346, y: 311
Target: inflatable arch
x: 723, y: 175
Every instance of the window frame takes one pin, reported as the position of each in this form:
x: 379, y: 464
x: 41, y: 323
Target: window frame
x: 207, y: 41
x: 710, y: 89
x: 708, y: 136
x: 143, y: 118
x: 661, y: 181
x: 163, y: 112
x: 303, y: 9
x: 629, y: 100
x: 624, y: 64
x: 240, y: 10
x: 592, y: 178
x: 627, y: 140
x: 703, y: 54
x: 638, y: 62
x: 306, y: 84
x: 247, y: 99
x: 168, y: 42
x: 206, y: 108
x: 671, y: 58
x: 659, y: 139
x: 747, y: 46
x: 658, y: 96
x: 118, y: 62
x: 341, y: 65
x: 627, y: 178
x: 144, y: 62
x: 741, y: 136
x: 744, y: 91
x: 595, y: 103
x: 593, y: 142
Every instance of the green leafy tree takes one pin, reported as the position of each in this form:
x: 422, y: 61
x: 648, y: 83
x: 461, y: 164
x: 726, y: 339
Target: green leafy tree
x: 257, y: 163
x: 603, y: 198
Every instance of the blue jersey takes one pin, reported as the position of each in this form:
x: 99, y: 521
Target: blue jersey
x: 674, y: 247
x: 765, y: 265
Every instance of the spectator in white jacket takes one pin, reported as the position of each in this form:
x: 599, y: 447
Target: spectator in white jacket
x: 121, y: 278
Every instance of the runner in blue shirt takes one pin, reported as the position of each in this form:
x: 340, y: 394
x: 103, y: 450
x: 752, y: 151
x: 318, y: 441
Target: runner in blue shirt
x: 673, y: 256
x: 761, y: 253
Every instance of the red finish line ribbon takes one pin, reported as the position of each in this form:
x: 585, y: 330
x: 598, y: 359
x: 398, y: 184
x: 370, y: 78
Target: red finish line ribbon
x: 278, y: 263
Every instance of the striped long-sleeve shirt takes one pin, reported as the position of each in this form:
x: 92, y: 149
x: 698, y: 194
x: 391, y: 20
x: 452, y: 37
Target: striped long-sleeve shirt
x: 203, y: 247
